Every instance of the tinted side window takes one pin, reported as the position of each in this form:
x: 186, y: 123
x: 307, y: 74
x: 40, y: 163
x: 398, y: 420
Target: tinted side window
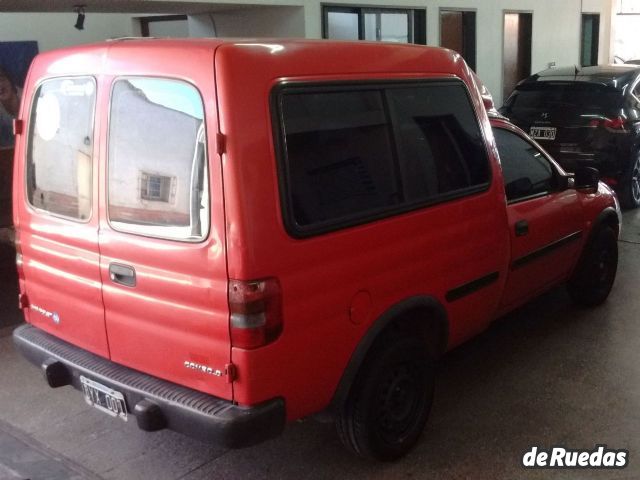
x: 440, y: 149
x: 158, y: 184
x: 355, y: 154
x: 526, y: 171
x: 60, y: 149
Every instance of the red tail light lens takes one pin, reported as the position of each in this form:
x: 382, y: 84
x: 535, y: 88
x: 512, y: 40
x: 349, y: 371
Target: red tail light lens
x: 616, y: 124
x: 256, y: 312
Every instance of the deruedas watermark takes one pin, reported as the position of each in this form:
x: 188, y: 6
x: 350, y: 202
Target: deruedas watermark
x: 600, y: 457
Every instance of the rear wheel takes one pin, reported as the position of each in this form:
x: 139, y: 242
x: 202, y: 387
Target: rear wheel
x: 593, y: 278
x: 630, y: 191
x: 390, y: 400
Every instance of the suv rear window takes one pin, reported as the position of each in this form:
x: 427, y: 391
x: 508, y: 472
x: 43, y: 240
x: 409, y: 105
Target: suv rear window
x: 552, y: 95
x: 60, y: 148
x: 352, y: 154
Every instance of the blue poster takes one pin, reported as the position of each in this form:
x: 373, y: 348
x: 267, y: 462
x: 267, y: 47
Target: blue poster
x: 15, y: 58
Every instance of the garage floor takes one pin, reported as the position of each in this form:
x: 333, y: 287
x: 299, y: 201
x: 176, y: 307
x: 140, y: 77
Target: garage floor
x: 548, y: 374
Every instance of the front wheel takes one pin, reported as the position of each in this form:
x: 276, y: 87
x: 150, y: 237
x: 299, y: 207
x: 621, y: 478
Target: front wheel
x: 593, y: 278
x: 390, y: 400
x: 630, y: 188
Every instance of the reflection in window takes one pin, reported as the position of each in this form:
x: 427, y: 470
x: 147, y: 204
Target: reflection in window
x: 60, y: 151
x: 157, y: 163
x: 525, y: 170
x: 351, y: 155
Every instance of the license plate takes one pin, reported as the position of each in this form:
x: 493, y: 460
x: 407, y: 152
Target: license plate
x: 104, y: 398
x: 543, y: 133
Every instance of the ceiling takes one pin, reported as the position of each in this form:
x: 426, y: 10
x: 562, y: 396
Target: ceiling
x: 117, y: 6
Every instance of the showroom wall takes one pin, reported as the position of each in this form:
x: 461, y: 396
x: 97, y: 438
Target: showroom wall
x: 555, y: 35
x: 263, y: 21
x: 55, y: 30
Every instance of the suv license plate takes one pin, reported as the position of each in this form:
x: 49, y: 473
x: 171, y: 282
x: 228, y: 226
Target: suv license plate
x: 543, y: 133
x: 104, y: 398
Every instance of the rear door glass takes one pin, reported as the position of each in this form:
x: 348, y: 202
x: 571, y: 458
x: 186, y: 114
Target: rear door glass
x: 158, y: 181
x: 60, y: 147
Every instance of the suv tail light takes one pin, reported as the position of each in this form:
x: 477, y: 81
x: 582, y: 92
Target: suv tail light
x: 615, y: 124
x: 256, y: 312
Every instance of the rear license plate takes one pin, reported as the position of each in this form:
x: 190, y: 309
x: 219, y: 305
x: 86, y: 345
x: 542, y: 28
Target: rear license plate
x: 543, y: 133
x: 104, y: 398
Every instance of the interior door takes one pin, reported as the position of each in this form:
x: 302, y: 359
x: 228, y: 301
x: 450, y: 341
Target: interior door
x: 545, y: 221
x: 516, y: 50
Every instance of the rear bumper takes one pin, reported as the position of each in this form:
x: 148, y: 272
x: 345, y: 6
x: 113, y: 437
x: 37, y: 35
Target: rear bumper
x: 155, y: 403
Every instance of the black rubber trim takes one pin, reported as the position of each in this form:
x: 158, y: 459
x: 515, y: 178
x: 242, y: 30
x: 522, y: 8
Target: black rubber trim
x: 430, y: 310
x: 530, y: 257
x: 196, y: 414
x: 471, y: 287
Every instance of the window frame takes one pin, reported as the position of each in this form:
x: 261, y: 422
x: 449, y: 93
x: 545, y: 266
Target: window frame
x: 416, y: 19
x: 205, y: 234
x: 595, y: 44
x: 28, y: 150
x: 556, y: 173
x: 297, y: 231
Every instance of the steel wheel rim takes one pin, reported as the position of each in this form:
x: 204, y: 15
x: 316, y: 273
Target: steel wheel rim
x: 635, y: 180
x: 399, y: 403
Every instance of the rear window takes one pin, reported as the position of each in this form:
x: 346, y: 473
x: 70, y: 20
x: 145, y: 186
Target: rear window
x: 352, y: 154
x: 60, y: 147
x: 158, y: 182
x: 553, y: 95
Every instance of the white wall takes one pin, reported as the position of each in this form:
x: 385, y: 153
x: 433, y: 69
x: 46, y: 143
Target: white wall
x: 55, y: 30
x: 556, y: 27
x: 556, y: 30
x: 261, y: 21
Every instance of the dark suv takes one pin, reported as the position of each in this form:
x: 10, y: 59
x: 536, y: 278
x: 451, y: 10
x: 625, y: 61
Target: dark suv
x: 588, y: 116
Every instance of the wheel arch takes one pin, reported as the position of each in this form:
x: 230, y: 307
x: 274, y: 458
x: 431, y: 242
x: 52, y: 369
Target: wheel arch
x: 423, y: 315
x: 607, y: 217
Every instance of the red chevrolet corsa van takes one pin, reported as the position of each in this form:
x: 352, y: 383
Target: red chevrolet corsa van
x: 220, y: 237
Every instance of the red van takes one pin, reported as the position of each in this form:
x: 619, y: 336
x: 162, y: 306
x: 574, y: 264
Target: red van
x: 218, y: 237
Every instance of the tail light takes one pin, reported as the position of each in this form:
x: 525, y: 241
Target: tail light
x: 615, y: 124
x: 23, y: 301
x: 256, y: 312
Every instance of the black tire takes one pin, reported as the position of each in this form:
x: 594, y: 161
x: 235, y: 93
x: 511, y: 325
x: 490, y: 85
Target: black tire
x: 630, y: 188
x: 390, y: 401
x: 593, y: 278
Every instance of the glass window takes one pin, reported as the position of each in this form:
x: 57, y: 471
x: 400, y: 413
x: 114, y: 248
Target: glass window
x: 158, y: 184
x: 353, y: 155
x: 60, y: 149
x: 525, y: 169
x: 374, y: 24
x: 440, y: 148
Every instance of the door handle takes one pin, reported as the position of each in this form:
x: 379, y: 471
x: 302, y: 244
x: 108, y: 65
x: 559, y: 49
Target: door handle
x: 122, y: 274
x: 522, y: 228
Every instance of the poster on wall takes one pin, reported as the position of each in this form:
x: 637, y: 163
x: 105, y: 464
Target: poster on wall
x: 15, y: 58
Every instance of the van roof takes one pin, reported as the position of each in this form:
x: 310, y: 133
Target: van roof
x: 380, y: 56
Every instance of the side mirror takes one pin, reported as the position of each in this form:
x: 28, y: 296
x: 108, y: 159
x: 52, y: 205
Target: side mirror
x: 587, y: 178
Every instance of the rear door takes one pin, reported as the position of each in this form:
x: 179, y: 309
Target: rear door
x: 545, y: 220
x: 56, y: 202
x: 163, y: 261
